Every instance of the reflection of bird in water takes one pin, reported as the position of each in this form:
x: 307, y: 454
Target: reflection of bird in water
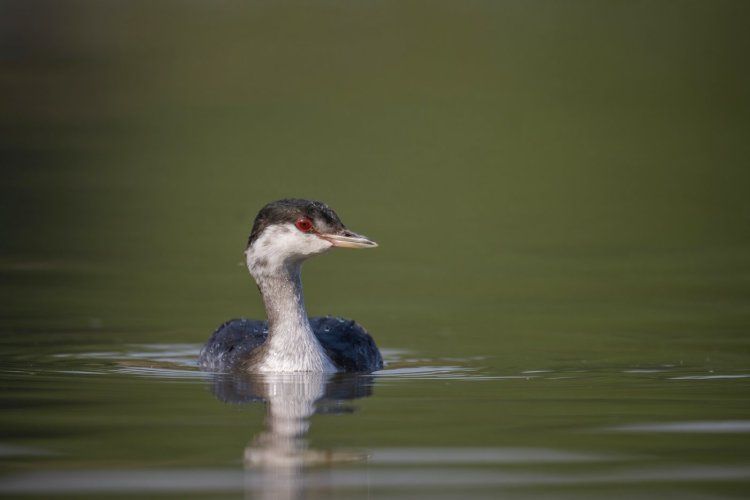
x: 285, y: 233
x: 278, y: 455
x: 291, y: 400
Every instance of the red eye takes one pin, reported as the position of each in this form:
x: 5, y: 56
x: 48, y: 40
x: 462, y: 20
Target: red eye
x: 305, y: 225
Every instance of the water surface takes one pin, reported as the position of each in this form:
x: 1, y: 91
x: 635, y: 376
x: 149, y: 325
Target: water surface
x: 561, y: 290
x: 141, y: 418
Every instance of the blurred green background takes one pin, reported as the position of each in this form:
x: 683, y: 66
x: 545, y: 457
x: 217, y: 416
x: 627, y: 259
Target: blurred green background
x: 547, y: 180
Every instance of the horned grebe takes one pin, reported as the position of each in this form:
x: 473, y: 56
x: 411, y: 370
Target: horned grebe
x: 285, y: 233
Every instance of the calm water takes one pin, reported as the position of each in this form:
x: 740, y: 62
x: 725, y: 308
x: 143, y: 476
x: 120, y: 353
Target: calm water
x: 562, y: 287
x: 140, y: 418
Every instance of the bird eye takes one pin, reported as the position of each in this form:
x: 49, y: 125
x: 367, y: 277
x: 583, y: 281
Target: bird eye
x: 305, y: 225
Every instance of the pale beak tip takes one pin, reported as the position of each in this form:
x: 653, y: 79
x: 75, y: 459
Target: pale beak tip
x: 351, y: 240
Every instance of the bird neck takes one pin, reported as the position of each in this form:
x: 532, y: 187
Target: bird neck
x: 291, y: 345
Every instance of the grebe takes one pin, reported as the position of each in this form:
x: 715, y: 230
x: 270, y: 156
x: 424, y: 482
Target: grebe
x: 285, y: 233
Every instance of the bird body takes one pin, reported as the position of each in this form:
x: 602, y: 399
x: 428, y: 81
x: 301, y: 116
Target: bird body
x: 284, y: 234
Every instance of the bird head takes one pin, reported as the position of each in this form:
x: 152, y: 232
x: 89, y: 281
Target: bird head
x: 291, y: 230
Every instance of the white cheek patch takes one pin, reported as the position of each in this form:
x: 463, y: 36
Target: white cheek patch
x: 280, y: 244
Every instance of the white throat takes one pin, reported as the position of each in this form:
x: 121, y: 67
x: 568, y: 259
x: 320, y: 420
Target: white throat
x: 291, y: 345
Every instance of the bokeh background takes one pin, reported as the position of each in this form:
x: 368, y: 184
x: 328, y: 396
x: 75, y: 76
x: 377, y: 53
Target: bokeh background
x: 559, y: 190
x: 547, y: 180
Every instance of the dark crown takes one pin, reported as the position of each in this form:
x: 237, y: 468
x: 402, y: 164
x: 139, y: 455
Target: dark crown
x: 289, y: 210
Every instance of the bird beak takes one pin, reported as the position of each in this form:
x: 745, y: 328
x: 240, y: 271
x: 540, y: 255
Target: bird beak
x: 349, y: 239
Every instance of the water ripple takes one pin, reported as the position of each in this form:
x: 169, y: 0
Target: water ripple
x: 708, y: 426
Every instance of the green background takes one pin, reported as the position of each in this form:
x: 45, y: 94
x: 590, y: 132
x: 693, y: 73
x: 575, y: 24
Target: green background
x: 554, y: 185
